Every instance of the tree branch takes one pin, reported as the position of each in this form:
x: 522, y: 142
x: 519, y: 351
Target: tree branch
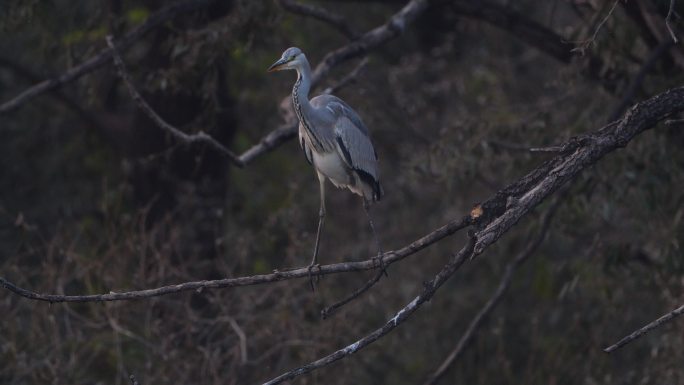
x: 95, y: 62
x: 329, y: 310
x: 647, y: 328
x: 302, y: 272
x: 199, y: 138
x: 322, y: 14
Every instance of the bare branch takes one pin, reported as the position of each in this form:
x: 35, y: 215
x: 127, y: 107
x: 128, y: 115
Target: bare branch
x: 199, y: 138
x: 243, y: 339
x: 329, y: 310
x: 322, y: 14
x: 668, y: 20
x: 505, y: 283
x: 272, y: 140
x: 95, y: 62
x: 647, y: 328
x: 303, y: 272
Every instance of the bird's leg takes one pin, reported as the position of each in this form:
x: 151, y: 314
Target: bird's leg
x: 321, y: 221
x: 381, y: 263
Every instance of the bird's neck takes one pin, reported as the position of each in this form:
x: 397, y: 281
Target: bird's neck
x: 300, y: 92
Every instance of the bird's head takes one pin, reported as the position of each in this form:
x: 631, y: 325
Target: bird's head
x: 291, y: 59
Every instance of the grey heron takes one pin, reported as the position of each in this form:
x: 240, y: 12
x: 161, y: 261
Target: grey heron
x: 335, y: 141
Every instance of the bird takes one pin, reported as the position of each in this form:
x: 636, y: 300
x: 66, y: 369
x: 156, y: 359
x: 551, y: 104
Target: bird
x: 335, y: 142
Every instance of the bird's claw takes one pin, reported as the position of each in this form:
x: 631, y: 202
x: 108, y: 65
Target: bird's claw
x: 314, y: 278
x: 378, y: 261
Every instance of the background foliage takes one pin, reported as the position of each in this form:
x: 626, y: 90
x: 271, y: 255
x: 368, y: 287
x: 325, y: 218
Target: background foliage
x: 95, y: 198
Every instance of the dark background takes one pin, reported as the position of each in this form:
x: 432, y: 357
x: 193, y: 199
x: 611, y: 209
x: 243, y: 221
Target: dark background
x: 96, y: 198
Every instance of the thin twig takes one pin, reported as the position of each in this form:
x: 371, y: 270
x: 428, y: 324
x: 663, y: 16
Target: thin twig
x: 673, y: 122
x: 586, y: 43
x: 521, y: 147
x: 95, y: 62
x: 511, y: 267
x: 647, y: 328
x: 322, y: 14
x: 199, y: 138
x: 668, y: 19
x: 243, y: 340
x: 329, y: 310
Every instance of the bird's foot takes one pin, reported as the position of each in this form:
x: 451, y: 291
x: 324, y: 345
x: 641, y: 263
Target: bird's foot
x: 379, y: 262
x: 314, y: 277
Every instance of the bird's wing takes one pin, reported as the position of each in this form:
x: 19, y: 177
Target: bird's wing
x: 338, y: 107
x: 355, y: 147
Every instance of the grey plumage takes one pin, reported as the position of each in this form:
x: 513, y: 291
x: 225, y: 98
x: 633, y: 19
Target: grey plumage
x: 334, y: 139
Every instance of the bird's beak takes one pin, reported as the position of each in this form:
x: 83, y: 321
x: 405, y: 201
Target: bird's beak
x: 277, y: 65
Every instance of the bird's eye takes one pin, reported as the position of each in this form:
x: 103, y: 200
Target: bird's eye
x: 292, y: 57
